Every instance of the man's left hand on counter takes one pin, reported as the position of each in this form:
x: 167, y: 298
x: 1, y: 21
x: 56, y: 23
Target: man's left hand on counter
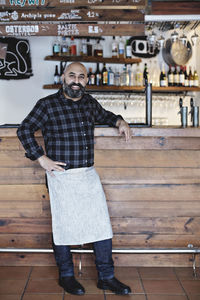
x: 124, y: 128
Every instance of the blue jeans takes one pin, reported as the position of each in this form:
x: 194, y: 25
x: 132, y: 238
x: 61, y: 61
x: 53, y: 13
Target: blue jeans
x: 103, y: 253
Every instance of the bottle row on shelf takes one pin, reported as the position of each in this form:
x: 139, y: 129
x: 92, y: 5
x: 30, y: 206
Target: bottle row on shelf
x: 179, y: 76
x: 119, y: 47
x: 131, y: 75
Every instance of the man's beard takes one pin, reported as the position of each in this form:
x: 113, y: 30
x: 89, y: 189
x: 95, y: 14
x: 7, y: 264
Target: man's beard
x: 67, y: 88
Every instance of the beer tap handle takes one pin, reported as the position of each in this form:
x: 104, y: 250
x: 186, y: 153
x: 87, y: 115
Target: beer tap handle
x: 180, y: 102
x: 192, y: 108
x: 191, y: 102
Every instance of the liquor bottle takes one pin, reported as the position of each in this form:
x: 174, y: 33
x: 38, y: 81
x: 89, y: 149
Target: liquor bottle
x: 56, y: 76
x: 91, y: 77
x: 145, y: 75
x: 170, y: 77
x: 128, y: 50
x: 163, y: 78
x: 117, y: 77
x: 98, y: 76
x: 61, y: 71
x: 114, y: 47
x: 89, y: 47
x: 196, y: 79
x: 56, y: 47
x: 181, y: 77
x: 176, y: 77
x: 73, y: 51
x: 121, y: 49
x: 104, y: 73
x: 186, y: 76
x: 124, y: 77
x: 110, y: 76
x: 131, y: 75
x: 83, y: 49
x: 190, y: 77
x: 64, y: 46
x: 98, y: 49
x: 138, y: 76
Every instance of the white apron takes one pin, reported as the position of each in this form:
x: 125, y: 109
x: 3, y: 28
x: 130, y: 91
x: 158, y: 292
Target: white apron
x: 78, y: 207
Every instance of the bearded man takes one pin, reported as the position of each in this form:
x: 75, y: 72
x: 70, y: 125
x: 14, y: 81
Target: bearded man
x: 78, y: 205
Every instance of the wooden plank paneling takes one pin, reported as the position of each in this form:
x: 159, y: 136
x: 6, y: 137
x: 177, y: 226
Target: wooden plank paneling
x: 130, y: 225
x: 145, y: 240
x: 154, y: 209
x: 62, y: 4
x: 28, y: 192
x: 146, y: 260
x: 146, y: 158
x: 25, y: 209
x: 153, y: 192
x: 128, y: 192
x: 151, y: 240
x: 110, y: 175
x: 157, y: 143
x: 118, y: 158
x: 29, y: 225
x: 175, y: 8
x: 152, y: 187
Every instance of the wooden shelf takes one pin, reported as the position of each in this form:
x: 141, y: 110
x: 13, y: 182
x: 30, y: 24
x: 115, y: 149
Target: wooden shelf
x: 113, y: 88
x: 109, y: 60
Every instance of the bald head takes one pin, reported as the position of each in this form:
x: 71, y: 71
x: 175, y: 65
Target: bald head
x: 75, y: 65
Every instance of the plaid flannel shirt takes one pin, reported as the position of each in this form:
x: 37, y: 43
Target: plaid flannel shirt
x: 67, y: 127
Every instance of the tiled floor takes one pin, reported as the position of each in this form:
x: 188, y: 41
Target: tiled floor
x: 31, y: 283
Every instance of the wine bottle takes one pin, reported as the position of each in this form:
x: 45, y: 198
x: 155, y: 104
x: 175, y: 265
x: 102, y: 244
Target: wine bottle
x: 89, y: 47
x: 91, y: 77
x: 104, y: 75
x: 163, y: 78
x: 176, y: 77
x: 56, y: 76
x: 186, y: 76
x: 114, y: 47
x: 98, y: 76
x: 190, y: 77
x: 170, y: 77
x: 181, y: 77
x: 196, y: 79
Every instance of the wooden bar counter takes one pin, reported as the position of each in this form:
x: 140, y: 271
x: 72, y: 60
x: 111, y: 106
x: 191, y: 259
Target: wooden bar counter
x: 152, y: 185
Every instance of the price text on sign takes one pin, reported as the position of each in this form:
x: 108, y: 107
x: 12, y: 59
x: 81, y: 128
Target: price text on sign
x: 71, y: 29
x: 59, y: 3
x: 71, y: 14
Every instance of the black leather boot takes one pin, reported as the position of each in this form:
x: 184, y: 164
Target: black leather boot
x: 71, y: 285
x: 114, y: 285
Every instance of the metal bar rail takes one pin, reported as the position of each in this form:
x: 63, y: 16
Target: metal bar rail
x: 187, y: 250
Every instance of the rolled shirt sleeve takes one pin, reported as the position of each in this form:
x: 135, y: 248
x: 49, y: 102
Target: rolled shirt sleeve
x: 34, y: 121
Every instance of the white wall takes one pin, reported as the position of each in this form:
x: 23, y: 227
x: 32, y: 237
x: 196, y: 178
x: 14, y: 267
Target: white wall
x: 17, y: 97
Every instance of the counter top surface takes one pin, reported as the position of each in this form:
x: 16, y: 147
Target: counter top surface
x: 169, y: 131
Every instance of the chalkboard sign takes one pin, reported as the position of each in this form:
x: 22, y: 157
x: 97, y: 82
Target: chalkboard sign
x: 15, y: 60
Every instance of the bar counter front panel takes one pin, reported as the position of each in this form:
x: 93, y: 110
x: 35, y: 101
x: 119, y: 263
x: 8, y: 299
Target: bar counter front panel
x: 152, y: 185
